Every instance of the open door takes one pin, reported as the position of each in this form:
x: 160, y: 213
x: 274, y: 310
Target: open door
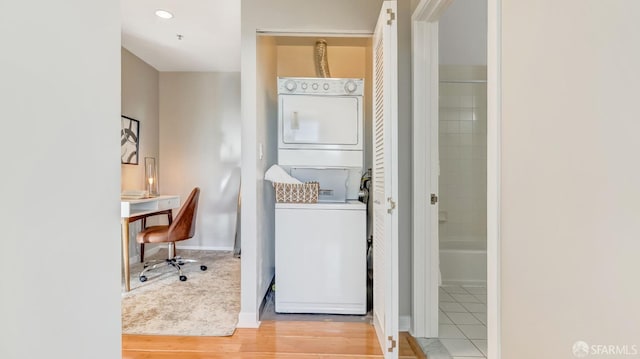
x: 385, y: 180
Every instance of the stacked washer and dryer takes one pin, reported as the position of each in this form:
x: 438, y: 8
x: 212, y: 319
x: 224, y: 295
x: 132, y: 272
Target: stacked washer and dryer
x: 320, y: 247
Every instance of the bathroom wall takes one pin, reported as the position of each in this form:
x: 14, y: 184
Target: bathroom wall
x: 463, y: 160
x: 464, y: 22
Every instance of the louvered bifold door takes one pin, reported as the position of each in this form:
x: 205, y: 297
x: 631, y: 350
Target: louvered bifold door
x: 385, y: 180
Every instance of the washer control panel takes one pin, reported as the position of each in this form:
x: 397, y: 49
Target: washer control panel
x: 320, y: 86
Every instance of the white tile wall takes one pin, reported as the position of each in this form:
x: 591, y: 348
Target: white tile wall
x: 463, y: 160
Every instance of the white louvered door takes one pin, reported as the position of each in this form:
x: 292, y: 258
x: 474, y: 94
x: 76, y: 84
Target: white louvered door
x: 385, y: 180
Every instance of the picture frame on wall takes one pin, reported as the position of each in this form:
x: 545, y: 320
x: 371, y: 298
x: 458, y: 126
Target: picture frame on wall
x: 129, y: 140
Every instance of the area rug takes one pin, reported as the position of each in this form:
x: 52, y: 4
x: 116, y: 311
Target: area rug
x: 207, y: 304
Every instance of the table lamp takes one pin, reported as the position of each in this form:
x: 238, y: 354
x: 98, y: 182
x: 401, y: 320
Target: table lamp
x: 151, y: 176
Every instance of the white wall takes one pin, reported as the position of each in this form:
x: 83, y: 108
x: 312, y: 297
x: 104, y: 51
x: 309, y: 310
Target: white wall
x: 140, y: 101
x: 570, y: 176
x: 266, y: 121
x: 200, y: 147
x: 293, y: 15
x: 463, y: 33
x: 60, y: 113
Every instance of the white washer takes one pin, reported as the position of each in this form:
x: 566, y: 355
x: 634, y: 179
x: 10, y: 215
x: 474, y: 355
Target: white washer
x: 321, y: 258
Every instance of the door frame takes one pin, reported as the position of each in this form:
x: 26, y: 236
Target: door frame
x: 425, y: 245
x: 426, y: 262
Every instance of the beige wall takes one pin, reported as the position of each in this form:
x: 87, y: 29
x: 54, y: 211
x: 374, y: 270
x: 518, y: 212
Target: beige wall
x: 60, y: 115
x: 200, y: 147
x: 140, y: 101
x: 570, y: 176
x: 298, y: 60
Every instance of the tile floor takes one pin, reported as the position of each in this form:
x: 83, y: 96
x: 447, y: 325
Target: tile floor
x: 463, y: 321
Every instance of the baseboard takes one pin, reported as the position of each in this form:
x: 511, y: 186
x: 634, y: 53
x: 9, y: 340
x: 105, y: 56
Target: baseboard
x: 205, y: 248
x: 247, y: 320
x: 404, y: 323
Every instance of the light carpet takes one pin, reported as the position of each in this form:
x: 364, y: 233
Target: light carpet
x: 207, y: 304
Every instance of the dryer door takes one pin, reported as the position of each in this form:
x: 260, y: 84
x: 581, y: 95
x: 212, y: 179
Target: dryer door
x: 320, y: 122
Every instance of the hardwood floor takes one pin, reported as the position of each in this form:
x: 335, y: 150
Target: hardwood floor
x: 272, y: 340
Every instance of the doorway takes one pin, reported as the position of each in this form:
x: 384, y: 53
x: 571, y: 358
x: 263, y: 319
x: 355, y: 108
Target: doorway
x: 453, y: 180
x: 292, y: 55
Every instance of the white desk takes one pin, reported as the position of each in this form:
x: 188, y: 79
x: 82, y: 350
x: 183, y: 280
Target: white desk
x: 134, y: 209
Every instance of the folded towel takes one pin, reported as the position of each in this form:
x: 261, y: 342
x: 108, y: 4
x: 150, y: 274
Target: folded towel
x: 277, y: 174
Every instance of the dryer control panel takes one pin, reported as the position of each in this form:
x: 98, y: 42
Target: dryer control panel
x: 320, y: 86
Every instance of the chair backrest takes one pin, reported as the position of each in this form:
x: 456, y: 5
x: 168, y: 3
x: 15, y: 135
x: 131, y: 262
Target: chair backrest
x: 184, y: 225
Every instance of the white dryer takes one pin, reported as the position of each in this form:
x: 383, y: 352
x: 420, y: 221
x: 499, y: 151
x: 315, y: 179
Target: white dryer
x: 320, y: 122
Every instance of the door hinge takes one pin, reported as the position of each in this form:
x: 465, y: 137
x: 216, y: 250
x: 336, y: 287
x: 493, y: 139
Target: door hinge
x: 392, y: 344
x: 392, y: 16
x: 434, y: 198
x: 392, y: 205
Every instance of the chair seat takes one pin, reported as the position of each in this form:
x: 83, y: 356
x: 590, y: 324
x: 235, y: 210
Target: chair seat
x: 153, y: 234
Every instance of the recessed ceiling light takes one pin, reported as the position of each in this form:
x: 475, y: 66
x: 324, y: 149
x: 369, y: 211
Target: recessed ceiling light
x: 164, y: 14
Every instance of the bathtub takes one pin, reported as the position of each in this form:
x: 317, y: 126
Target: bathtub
x: 463, y: 261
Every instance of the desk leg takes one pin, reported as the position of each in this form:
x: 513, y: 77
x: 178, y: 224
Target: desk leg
x: 125, y: 252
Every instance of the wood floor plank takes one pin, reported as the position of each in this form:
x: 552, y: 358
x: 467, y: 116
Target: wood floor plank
x: 286, y: 340
x: 409, y: 348
x: 173, y: 355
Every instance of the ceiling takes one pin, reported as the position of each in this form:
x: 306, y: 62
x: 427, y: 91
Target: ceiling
x: 210, y: 32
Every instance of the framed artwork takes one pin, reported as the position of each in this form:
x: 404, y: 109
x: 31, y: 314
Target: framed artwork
x: 129, y: 140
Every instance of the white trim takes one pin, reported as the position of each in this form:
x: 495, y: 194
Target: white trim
x: 425, y: 260
x: 494, y: 142
x: 312, y: 33
x: 430, y: 10
x: 404, y: 324
x: 248, y: 320
x: 205, y: 248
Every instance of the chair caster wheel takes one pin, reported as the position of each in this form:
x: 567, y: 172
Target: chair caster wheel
x: 143, y: 278
x: 183, y: 278
x: 180, y: 263
x: 203, y: 267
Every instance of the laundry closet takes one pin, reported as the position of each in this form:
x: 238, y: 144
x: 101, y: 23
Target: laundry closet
x: 319, y: 131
